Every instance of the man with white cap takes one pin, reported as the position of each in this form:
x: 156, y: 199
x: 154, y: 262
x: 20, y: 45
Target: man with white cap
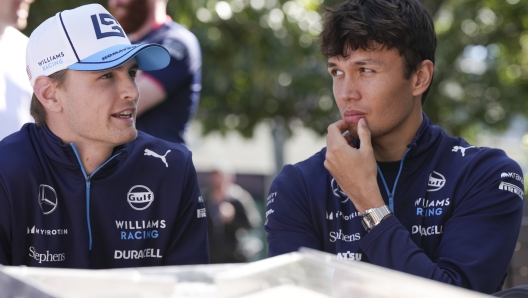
x: 81, y: 188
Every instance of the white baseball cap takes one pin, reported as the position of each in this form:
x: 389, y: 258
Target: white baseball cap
x: 86, y: 38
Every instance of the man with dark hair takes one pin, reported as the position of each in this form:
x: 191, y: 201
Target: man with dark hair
x: 391, y: 188
x: 81, y: 188
x: 169, y: 97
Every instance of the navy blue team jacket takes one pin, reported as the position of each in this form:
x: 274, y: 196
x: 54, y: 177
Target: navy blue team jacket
x: 457, y: 210
x: 142, y: 207
x: 181, y: 80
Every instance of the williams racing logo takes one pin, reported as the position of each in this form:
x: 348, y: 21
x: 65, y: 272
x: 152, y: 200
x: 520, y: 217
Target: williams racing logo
x: 140, y: 197
x: 47, y: 199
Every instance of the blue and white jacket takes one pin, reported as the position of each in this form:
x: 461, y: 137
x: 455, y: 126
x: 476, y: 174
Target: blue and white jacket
x: 142, y: 207
x: 457, y: 210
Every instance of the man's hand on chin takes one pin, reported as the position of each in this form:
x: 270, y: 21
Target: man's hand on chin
x: 354, y: 169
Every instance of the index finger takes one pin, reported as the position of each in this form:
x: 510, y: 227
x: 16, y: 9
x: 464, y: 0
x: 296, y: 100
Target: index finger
x: 341, y: 126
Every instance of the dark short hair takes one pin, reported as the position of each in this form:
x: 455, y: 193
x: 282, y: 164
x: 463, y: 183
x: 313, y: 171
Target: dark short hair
x: 404, y: 25
x: 36, y: 108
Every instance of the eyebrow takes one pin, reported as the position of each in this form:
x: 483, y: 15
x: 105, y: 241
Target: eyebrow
x: 359, y: 62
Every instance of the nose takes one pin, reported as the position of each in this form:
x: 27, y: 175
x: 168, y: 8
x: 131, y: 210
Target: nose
x: 129, y: 89
x: 346, y: 89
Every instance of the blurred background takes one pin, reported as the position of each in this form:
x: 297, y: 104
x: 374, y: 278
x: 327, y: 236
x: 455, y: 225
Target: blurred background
x: 266, y: 98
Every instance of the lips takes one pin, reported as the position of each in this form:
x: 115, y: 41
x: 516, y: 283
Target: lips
x: 353, y: 116
x: 125, y: 114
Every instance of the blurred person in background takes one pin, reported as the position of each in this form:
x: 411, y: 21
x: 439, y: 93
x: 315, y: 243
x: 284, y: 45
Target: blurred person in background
x: 169, y: 97
x: 15, y: 90
x: 232, y: 215
x: 390, y: 187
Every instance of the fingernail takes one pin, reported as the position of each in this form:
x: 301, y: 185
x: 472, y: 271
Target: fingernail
x: 362, y: 121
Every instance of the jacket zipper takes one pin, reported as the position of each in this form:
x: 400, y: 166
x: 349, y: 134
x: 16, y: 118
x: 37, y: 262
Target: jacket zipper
x: 88, y: 179
x: 391, y: 194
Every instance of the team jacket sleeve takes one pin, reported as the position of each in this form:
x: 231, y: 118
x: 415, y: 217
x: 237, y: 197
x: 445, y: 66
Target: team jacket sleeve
x: 5, y: 227
x: 477, y: 241
x: 179, y: 69
x: 189, y: 244
x: 288, y: 224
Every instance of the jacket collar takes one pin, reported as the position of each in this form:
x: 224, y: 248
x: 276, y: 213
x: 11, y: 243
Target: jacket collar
x: 427, y: 137
x: 62, y: 153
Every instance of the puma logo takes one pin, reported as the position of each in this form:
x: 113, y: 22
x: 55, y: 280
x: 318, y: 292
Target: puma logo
x: 149, y: 152
x: 462, y: 149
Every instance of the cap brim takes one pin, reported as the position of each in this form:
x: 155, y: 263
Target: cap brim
x: 148, y: 57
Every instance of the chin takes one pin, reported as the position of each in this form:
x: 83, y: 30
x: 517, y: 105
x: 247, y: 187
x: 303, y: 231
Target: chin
x: 125, y: 137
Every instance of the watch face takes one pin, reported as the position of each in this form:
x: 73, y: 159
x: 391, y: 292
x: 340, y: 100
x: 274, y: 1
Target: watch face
x: 367, y: 222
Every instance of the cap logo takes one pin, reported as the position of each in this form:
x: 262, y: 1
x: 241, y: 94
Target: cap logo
x: 106, y: 20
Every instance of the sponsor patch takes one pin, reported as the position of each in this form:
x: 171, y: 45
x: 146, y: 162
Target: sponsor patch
x: 514, y: 176
x: 140, y: 197
x: 436, y: 181
x: 201, y: 213
x: 47, y: 232
x: 334, y: 236
x: 512, y: 188
x: 137, y: 254
x: 149, y: 152
x: 47, y: 199
x: 427, y: 231
x: 271, y: 198
x: 351, y: 256
x: 462, y: 149
x: 338, y: 214
x: 338, y: 192
x: 46, y: 257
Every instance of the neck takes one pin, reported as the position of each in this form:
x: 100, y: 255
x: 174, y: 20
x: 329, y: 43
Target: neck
x: 92, y: 154
x: 157, y: 16
x: 392, y: 147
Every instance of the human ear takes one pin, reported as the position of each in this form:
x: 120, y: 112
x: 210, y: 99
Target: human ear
x: 423, y: 77
x: 46, y: 91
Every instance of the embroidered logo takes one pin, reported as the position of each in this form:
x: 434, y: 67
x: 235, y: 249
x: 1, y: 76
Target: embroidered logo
x: 338, y: 192
x: 47, y: 199
x: 149, y: 152
x: 436, y: 181
x: 514, y: 176
x: 201, y: 213
x: 462, y: 149
x: 140, y: 197
x: 512, y: 188
x: 106, y: 20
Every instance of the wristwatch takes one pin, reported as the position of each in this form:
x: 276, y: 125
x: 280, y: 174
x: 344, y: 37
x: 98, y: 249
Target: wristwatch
x: 372, y: 217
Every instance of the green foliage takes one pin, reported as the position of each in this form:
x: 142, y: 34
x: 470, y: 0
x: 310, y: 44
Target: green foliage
x: 481, y: 72
x: 261, y: 60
